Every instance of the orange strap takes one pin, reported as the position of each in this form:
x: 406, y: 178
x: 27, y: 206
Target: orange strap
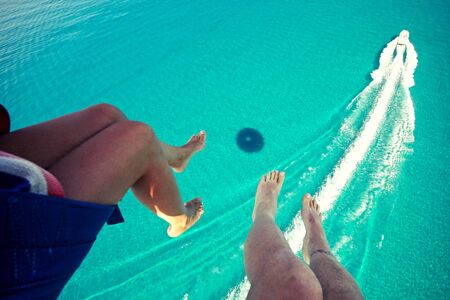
x: 5, y: 122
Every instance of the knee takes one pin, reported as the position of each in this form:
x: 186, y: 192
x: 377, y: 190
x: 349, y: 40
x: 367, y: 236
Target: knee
x: 139, y: 134
x: 107, y: 112
x: 303, y: 287
x: 296, y: 278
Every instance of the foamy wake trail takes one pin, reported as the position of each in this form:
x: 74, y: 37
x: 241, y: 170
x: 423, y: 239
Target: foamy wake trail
x: 394, y: 72
x: 411, y: 65
x: 385, y: 60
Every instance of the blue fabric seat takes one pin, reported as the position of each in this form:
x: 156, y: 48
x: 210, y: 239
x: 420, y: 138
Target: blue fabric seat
x: 44, y: 239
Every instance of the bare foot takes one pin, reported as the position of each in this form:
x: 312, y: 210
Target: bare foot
x: 195, y: 144
x: 194, y: 210
x: 315, y: 236
x: 267, y: 194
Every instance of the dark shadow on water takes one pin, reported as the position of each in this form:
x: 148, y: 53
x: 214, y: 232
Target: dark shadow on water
x: 250, y: 140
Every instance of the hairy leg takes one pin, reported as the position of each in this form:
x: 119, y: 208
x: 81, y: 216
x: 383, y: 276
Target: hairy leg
x: 46, y: 143
x: 274, y: 271
x: 126, y: 154
x: 336, y: 282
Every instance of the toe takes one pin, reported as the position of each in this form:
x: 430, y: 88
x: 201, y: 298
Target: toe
x: 273, y: 175
x: 280, y: 177
x: 202, y: 135
x: 263, y: 179
x: 306, y: 200
x: 195, y: 201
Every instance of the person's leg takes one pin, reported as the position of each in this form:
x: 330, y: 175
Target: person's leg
x: 46, y: 143
x: 273, y: 270
x: 126, y: 154
x: 178, y: 157
x: 336, y: 282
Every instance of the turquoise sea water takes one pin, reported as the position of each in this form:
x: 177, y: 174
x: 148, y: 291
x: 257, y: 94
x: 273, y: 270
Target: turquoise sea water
x: 292, y: 70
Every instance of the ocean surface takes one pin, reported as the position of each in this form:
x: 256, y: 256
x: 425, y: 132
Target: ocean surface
x: 372, y: 147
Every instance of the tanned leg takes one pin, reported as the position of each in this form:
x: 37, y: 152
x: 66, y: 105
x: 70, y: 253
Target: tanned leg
x: 46, y: 143
x: 178, y: 157
x: 126, y: 154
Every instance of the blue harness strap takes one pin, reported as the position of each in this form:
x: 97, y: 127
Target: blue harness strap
x: 43, y: 240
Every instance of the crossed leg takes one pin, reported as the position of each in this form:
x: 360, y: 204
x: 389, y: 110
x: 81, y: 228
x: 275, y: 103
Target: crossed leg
x: 46, y: 143
x: 273, y: 270
x: 126, y: 154
x: 97, y: 155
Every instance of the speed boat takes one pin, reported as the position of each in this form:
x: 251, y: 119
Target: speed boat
x: 402, y: 42
x: 403, y: 38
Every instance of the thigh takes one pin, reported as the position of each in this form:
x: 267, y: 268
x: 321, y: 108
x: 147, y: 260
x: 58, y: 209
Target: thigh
x: 285, y: 277
x: 103, y: 168
x: 46, y: 143
x: 274, y: 271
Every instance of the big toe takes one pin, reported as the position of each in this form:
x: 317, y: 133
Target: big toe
x: 280, y: 178
x: 202, y: 135
x: 306, y: 200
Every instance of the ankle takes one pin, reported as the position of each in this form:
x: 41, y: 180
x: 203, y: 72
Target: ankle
x: 263, y: 216
x: 317, y: 243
